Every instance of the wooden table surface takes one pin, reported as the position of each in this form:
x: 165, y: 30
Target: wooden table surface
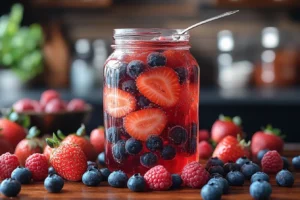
x: 77, y: 190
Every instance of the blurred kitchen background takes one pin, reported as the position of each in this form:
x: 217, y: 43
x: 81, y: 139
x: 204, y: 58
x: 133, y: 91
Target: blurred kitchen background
x: 250, y: 62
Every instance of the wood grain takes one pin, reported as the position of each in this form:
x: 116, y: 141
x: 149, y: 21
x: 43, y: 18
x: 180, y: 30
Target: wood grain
x: 77, y: 190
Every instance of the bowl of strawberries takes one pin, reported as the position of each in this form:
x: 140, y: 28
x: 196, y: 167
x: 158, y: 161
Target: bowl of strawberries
x: 51, y: 112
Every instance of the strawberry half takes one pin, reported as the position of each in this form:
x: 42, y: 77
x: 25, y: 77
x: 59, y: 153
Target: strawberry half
x: 142, y: 123
x: 160, y: 85
x: 118, y: 103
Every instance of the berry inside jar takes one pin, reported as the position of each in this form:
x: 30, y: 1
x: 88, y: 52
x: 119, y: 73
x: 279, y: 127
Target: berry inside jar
x: 151, y: 100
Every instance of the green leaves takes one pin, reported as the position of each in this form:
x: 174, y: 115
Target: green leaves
x: 236, y: 119
x: 33, y: 132
x: 20, y: 119
x: 81, y: 131
x: 274, y: 131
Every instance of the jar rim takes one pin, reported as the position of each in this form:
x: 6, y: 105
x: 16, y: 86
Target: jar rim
x: 149, y: 33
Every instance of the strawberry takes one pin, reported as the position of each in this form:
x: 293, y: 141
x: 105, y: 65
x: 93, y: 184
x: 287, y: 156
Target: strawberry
x: 26, y: 104
x: 269, y: 138
x: 225, y: 126
x: 118, y: 103
x: 83, y: 142
x: 47, y: 96
x: 12, y: 132
x: 97, y: 139
x: 204, y: 149
x: 140, y: 124
x: 47, y: 152
x: 203, y: 135
x: 160, y: 85
x: 67, y: 159
x: 5, y: 146
x: 28, y: 146
x: 230, y: 149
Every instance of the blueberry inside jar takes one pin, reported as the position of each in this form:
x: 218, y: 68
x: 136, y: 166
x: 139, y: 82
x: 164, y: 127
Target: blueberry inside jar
x: 151, y: 84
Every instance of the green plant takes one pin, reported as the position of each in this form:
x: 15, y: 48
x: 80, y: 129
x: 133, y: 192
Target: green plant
x: 20, y: 47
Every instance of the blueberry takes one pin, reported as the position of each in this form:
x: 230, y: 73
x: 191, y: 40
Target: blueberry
x: 178, y: 135
x: 215, y: 175
x: 21, y: 174
x: 168, y: 152
x: 235, y: 178
x: 135, y: 68
x: 143, y: 102
x: 261, y: 154
x: 194, y: 74
x: 105, y: 173
x: 260, y: 190
x: 119, y: 151
x: 176, y: 181
x: 92, y: 177
x: 51, y: 170
x: 117, y: 179
x: 91, y: 165
x: 10, y: 187
x: 260, y: 176
x: 216, y: 169
x: 156, y: 59
x: 285, y: 178
x: 133, y: 146
x: 149, y: 159
x: 112, y: 134
x: 191, y: 145
x: 222, y: 182
x: 214, y: 161
x: 114, y: 72
x: 249, y: 168
x: 231, y: 166
x: 286, y: 164
x: 296, y: 162
x: 241, y: 161
x: 154, y: 143
x: 101, y: 159
x: 54, y: 183
x: 211, y: 191
x: 129, y: 86
x: 136, y: 183
x: 182, y: 74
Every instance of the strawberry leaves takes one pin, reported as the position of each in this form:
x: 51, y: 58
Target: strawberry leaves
x: 20, y: 119
x: 273, y: 131
x: 236, y: 119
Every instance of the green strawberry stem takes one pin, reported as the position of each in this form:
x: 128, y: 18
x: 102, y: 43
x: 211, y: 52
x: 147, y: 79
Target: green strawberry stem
x: 236, y: 119
x: 60, y: 135
x: 81, y: 131
x: 33, y: 132
x: 243, y: 142
x: 273, y: 131
x: 20, y: 119
x: 53, y: 142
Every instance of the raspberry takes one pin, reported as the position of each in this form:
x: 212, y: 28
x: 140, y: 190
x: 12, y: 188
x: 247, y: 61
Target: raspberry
x: 194, y: 175
x: 158, y: 178
x: 271, y: 162
x: 205, y: 150
x: 38, y: 164
x: 8, y: 162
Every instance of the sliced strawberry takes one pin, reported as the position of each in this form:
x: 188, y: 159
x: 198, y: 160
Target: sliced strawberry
x: 160, y: 85
x: 118, y: 103
x: 140, y: 124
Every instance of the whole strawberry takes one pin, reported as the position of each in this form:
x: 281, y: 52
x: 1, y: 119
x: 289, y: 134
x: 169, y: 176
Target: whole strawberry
x: 225, y: 126
x: 230, y: 149
x: 158, y: 178
x: 28, y: 146
x: 194, y: 175
x: 5, y: 146
x: 68, y: 159
x: 97, y: 139
x: 8, y: 162
x: 37, y: 163
x: 47, y: 152
x: 272, y: 162
x: 204, y: 149
x: 83, y: 142
x: 11, y: 131
x: 268, y: 138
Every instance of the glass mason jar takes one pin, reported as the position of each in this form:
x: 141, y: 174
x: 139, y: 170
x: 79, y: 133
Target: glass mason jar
x: 151, y: 99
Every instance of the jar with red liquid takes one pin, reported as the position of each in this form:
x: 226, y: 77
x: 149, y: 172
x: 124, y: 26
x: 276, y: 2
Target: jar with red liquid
x: 151, y: 100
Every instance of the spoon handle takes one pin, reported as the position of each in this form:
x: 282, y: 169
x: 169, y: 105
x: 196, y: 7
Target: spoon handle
x: 208, y: 20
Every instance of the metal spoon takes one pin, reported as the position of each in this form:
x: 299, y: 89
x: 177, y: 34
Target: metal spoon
x: 177, y: 36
